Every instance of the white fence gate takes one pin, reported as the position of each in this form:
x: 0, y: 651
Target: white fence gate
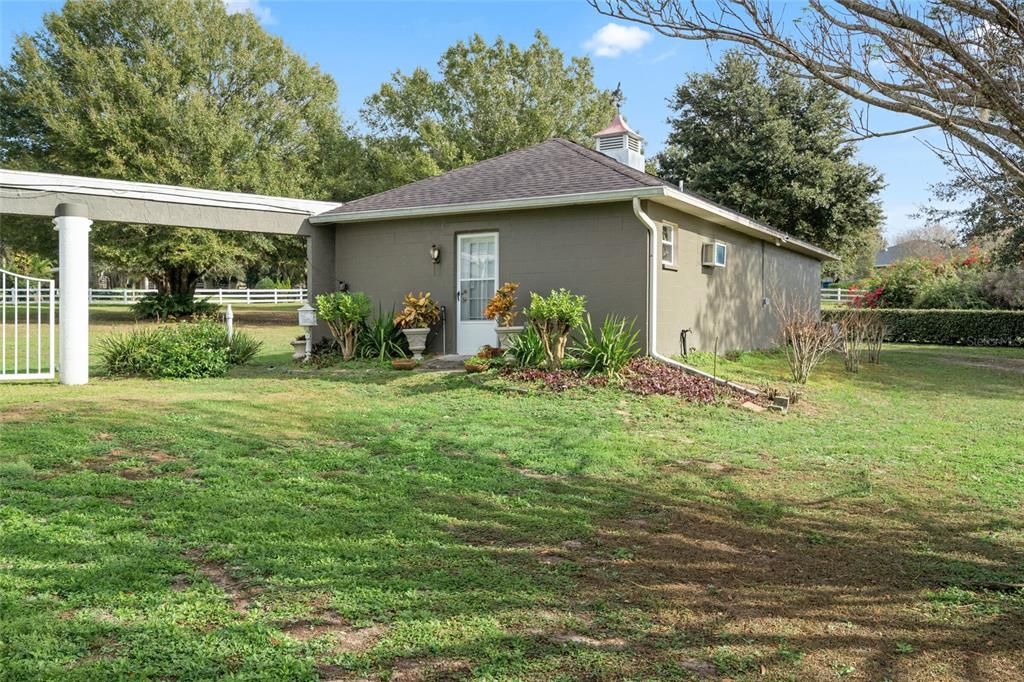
x: 27, y: 308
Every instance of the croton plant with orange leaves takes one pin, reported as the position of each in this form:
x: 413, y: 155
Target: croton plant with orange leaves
x: 502, y: 306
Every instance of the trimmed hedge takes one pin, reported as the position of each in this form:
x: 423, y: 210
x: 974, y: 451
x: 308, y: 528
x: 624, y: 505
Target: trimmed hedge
x: 949, y: 327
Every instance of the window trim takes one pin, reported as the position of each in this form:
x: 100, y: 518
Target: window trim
x: 673, y: 231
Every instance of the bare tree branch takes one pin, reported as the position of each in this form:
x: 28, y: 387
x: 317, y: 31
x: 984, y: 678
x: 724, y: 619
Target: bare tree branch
x: 958, y: 65
x: 889, y: 133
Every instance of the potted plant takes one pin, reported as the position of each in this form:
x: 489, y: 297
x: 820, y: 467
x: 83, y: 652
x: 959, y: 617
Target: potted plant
x: 299, y: 347
x: 344, y: 313
x: 502, y: 309
x: 482, y: 361
x: 419, y: 313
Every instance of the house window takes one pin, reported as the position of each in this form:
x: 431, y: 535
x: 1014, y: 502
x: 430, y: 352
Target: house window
x: 668, y: 244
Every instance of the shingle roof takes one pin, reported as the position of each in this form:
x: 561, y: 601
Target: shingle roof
x: 551, y: 168
x: 915, y: 248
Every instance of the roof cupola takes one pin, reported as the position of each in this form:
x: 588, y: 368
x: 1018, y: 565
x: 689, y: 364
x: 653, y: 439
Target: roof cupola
x: 622, y: 143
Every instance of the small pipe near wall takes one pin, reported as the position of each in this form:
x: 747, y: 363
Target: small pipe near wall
x: 73, y: 228
x: 652, y: 305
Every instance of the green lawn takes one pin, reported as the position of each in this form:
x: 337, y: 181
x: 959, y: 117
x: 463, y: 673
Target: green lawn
x: 362, y: 523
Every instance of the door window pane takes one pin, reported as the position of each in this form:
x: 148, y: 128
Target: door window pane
x: 478, y: 260
x: 475, y: 295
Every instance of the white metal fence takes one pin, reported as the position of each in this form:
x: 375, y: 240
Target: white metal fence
x: 130, y: 296
x: 27, y: 306
x: 837, y: 295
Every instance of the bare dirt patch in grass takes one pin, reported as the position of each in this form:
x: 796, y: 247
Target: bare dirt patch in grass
x: 432, y: 669
x: 12, y: 414
x: 612, y: 643
x: 346, y: 639
x: 109, y: 462
x: 239, y: 593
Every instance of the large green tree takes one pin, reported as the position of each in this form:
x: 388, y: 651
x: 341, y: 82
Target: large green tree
x: 488, y: 99
x: 769, y: 144
x: 178, y: 92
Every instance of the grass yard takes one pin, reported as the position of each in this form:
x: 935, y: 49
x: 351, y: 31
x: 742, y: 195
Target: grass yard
x: 286, y: 524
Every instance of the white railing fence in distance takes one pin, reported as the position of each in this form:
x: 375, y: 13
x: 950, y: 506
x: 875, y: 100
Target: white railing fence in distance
x: 27, y: 309
x: 837, y: 295
x: 237, y: 296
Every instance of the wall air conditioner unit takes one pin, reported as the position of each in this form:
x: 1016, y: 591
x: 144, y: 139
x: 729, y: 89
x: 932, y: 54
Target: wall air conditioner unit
x: 713, y: 255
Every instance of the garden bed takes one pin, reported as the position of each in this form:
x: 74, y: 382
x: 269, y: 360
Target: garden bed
x: 642, y: 376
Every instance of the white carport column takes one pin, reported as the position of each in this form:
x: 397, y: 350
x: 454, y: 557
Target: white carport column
x: 73, y: 227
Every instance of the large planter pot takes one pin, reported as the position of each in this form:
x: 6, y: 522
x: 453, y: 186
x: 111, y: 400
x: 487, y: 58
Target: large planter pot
x: 404, y: 363
x: 299, y: 349
x: 417, y: 339
x: 504, y: 333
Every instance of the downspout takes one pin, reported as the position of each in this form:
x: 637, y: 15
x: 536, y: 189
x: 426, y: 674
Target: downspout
x: 652, y: 305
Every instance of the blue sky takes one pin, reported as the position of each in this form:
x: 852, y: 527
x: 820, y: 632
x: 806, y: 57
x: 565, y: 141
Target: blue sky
x: 362, y: 43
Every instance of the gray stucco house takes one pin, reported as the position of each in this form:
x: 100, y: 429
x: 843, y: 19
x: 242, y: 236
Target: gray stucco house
x: 558, y: 214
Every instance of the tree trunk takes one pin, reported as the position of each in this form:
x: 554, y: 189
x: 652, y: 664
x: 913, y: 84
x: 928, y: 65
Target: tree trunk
x: 177, y: 281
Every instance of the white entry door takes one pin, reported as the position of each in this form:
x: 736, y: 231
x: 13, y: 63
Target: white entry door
x: 477, y: 280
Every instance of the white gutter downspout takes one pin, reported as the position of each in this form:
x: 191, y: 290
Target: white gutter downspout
x: 652, y: 305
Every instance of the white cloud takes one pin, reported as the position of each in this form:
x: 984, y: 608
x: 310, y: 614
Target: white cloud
x: 611, y: 40
x: 258, y: 9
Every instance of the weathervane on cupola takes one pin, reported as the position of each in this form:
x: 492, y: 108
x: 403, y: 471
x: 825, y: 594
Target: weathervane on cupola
x: 618, y: 140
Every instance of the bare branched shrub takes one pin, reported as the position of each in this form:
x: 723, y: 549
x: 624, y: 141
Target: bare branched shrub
x: 806, y: 339
x: 875, y: 335
x: 852, y: 338
x: 860, y: 330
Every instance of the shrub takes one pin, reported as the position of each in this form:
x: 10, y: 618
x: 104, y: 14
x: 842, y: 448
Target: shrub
x: 897, y: 285
x: 242, y: 347
x: 160, y: 306
x: 502, y: 306
x: 344, y: 312
x: 608, y: 350
x: 859, y: 330
x: 1004, y: 288
x: 806, y: 338
x: 127, y: 354
x: 420, y: 311
x: 959, y: 290
x: 381, y: 339
x: 184, y: 351
x: 271, y: 283
x: 950, y: 327
x: 554, y: 318
x: 526, y: 349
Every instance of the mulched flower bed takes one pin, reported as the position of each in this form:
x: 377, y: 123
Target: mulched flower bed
x: 643, y: 376
x: 646, y: 376
x: 554, y: 380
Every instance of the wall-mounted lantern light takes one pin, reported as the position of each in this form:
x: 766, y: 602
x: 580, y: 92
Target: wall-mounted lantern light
x: 435, y: 254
